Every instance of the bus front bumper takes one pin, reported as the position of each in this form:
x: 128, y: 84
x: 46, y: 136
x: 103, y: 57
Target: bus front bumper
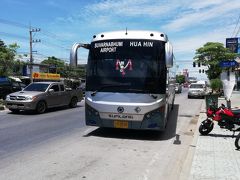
x: 153, y: 120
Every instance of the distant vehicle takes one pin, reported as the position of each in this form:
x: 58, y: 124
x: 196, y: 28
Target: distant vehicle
x: 9, y: 85
x: 205, y: 85
x: 202, y: 82
x: 82, y: 87
x: 192, y: 79
x: 25, y: 80
x: 196, y: 90
x: 178, y: 88
x: 185, y: 85
x: 39, y: 96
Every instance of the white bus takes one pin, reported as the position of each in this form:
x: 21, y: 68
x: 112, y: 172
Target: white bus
x: 129, y: 81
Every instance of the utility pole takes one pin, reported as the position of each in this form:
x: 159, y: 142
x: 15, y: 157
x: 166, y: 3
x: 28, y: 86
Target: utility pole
x: 31, y: 30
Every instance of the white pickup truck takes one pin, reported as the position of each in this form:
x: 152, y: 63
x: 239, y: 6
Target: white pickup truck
x: 39, y: 96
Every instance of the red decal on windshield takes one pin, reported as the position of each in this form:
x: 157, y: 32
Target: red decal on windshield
x: 120, y: 66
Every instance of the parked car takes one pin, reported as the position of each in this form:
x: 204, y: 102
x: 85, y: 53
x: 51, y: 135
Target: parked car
x: 178, y: 88
x: 196, y: 90
x: 39, y: 96
x: 9, y: 85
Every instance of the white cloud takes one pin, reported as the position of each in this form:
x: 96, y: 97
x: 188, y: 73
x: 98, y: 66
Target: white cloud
x: 200, y: 21
x: 128, y: 8
x: 193, y: 18
x: 188, y: 45
x: 115, y: 10
x: 171, y: 15
x: 205, y: 3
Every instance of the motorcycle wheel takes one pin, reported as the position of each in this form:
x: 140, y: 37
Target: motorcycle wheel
x: 237, y: 143
x: 206, y: 127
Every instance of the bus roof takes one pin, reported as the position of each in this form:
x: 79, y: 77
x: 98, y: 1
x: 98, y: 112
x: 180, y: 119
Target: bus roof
x: 136, y: 34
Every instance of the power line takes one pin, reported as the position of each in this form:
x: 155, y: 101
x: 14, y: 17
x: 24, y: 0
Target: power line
x: 22, y: 52
x: 54, y: 36
x: 32, y: 29
x: 47, y: 56
x: 48, y: 44
x: 237, y: 32
x: 55, y: 45
x: 13, y: 35
x: 3, y: 21
x: 43, y: 32
x: 236, y: 28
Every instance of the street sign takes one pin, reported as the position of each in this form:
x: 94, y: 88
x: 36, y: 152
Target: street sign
x: 233, y: 44
x: 224, y: 64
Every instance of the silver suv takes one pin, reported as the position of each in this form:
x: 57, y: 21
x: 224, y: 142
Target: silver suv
x: 196, y: 90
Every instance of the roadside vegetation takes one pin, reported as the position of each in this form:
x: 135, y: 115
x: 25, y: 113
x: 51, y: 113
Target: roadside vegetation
x: 210, y: 55
x: 1, y: 105
x: 180, y: 79
x: 12, y: 65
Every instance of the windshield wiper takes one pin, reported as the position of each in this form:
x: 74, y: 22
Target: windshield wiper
x: 138, y: 90
x: 153, y: 96
x: 123, y: 85
x: 143, y: 92
x: 109, y: 86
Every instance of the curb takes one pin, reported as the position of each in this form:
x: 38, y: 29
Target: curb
x: 187, y: 165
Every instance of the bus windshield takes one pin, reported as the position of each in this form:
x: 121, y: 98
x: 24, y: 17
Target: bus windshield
x: 137, y: 65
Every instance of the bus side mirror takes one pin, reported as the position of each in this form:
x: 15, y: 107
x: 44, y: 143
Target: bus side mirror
x: 168, y: 55
x: 73, y: 53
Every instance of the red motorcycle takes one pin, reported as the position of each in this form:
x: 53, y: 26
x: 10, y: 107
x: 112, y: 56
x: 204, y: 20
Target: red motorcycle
x: 226, y: 118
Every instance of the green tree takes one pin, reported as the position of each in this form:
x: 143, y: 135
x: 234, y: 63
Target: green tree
x: 63, y: 69
x: 180, y: 79
x: 216, y: 84
x: 7, y: 54
x: 210, y: 55
x: 55, y: 62
x: 74, y: 72
x: 18, y: 67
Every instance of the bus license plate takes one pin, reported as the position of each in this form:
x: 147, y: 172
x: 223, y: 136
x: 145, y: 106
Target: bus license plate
x: 120, y: 124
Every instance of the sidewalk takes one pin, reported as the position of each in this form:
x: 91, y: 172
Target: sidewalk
x: 216, y: 157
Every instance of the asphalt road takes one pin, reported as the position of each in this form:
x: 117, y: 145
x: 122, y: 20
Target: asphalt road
x: 58, y: 145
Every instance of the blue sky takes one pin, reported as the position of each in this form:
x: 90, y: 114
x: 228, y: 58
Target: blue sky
x: 188, y: 23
